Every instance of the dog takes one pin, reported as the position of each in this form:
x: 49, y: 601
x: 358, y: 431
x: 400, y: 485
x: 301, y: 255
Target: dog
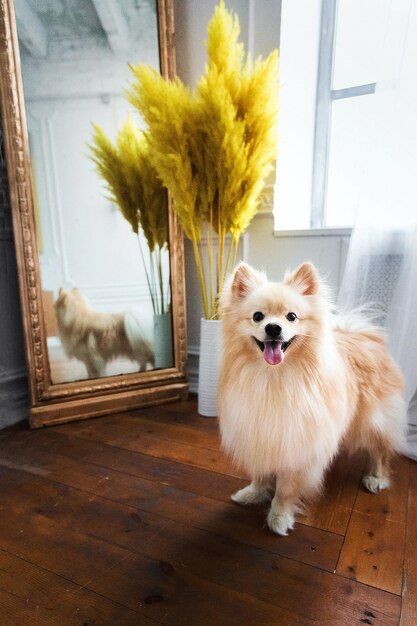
x: 295, y: 385
x: 96, y: 338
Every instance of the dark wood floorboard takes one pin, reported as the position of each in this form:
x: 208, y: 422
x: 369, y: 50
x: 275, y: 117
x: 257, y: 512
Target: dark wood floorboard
x: 127, y: 519
x: 409, y: 589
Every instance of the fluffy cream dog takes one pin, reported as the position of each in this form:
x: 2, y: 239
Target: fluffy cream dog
x: 295, y: 386
x: 96, y: 338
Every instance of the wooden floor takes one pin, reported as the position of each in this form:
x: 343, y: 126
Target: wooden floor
x: 127, y: 519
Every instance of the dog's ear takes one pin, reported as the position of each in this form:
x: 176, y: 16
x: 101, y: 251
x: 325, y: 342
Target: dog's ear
x: 245, y: 278
x: 305, y: 279
x: 62, y: 298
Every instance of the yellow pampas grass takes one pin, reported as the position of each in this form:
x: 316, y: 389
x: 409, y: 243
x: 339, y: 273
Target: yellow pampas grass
x: 110, y: 166
x: 138, y: 193
x: 214, y: 148
x: 132, y: 180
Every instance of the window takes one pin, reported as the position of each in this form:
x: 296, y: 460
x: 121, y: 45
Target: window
x: 329, y: 64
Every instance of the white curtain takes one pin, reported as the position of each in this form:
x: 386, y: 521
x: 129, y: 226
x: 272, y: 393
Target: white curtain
x: 382, y: 260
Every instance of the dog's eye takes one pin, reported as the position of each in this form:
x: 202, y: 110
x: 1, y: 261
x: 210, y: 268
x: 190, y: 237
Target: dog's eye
x: 291, y: 317
x: 258, y: 316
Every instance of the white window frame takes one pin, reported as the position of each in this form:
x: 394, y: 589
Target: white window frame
x: 325, y: 96
x: 316, y: 54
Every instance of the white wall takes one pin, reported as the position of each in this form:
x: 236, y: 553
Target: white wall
x: 299, y: 52
x: 260, y: 28
x: 78, y: 224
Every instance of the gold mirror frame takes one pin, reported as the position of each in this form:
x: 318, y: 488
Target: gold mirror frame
x: 54, y: 404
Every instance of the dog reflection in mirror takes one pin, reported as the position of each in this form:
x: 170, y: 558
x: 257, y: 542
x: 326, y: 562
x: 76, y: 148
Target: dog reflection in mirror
x: 96, y: 338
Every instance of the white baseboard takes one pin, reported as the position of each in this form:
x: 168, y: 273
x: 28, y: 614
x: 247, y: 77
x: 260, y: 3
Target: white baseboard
x: 192, y: 366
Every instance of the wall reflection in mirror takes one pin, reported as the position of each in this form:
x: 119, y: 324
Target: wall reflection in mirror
x: 102, y: 234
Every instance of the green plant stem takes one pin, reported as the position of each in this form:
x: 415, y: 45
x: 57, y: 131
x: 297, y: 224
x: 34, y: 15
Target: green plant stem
x: 161, y: 282
x: 146, y: 273
x: 152, y: 262
x: 168, y: 295
x: 168, y: 288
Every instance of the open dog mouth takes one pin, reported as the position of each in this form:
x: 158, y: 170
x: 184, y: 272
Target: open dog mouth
x: 273, y: 351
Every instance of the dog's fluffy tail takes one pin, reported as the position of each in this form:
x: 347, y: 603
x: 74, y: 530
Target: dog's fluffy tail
x: 362, y: 319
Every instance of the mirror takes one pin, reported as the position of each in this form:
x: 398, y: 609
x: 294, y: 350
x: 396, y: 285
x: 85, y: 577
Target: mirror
x: 100, y: 284
x: 107, y: 293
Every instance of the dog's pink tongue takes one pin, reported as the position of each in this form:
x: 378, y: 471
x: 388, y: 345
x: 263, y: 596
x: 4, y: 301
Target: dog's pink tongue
x: 273, y: 353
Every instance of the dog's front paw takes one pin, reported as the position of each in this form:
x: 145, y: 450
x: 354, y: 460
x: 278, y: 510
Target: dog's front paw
x: 251, y: 494
x: 280, y: 523
x: 375, y: 484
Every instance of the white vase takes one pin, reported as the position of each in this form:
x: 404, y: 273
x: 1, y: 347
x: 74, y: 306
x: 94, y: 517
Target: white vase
x: 163, y: 340
x: 208, y: 371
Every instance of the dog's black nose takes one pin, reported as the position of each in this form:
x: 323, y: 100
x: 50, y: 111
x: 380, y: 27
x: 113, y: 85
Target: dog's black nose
x: 273, y: 330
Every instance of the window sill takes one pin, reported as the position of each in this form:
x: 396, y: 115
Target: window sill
x: 314, y: 232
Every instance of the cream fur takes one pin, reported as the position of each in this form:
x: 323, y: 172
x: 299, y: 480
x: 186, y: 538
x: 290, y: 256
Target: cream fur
x: 283, y: 424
